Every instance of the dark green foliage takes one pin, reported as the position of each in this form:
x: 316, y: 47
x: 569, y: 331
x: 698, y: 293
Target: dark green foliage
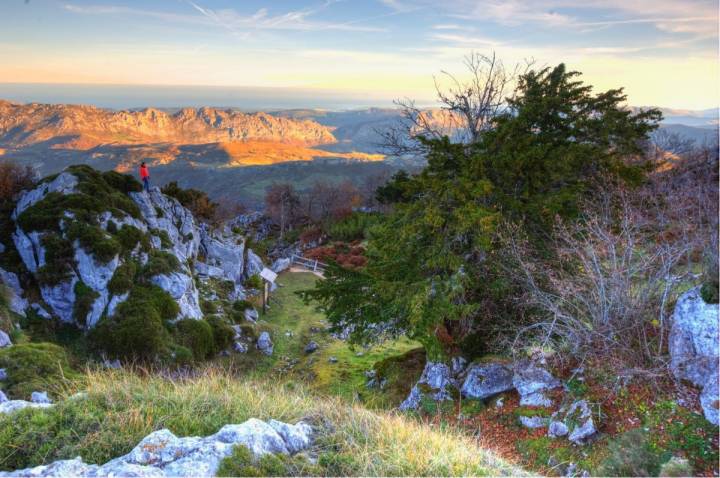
x: 207, y: 306
x: 709, y: 292
x: 94, y: 240
x: 242, y: 305
x: 353, y: 227
x: 196, y: 335
x: 35, y: 366
x: 195, y: 200
x: 137, y: 330
x: 59, y: 260
x: 84, y: 298
x: 160, y: 262
x: 432, y: 270
x: 243, y: 463
x: 129, y: 237
x: 181, y: 356
x: 254, y: 282
x: 123, y: 279
x: 111, y: 227
x: 112, y: 194
x: 630, y: 455
x: 223, y: 333
x: 122, y: 182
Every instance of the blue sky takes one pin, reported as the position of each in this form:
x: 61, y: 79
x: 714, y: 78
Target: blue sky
x: 664, y: 52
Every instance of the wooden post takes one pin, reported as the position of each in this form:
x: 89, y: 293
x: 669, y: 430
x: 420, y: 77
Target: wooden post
x: 265, y: 296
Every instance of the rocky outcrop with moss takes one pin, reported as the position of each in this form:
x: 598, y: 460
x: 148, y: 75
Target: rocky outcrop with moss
x: 104, y: 254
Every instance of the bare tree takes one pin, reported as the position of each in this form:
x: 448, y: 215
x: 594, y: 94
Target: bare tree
x: 467, y: 107
x: 282, y: 203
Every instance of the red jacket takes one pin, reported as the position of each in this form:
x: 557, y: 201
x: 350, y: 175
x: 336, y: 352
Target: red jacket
x: 144, y: 173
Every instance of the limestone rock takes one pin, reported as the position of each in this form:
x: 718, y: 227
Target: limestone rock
x: 533, y: 422
x: 710, y: 400
x: 39, y: 310
x: 40, y: 397
x: 61, y: 298
x: 254, y: 264
x: 14, y: 405
x: 436, y: 382
x: 311, y: 347
x: 63, y: 183
x: 181, y: 287
x: 3, y: 397
x: 264, y: 343
x: 485, y: 380
x: 251, y: 315
x: 577, y: 420
x: 557, y: 429
x: 4, y: 340
x: 17, y: 303
x: 223, y: 252
x: 694, y: 349
x: 531, y: 382
x: 281, y: 264
x: 3, y: 374
x: 297, y: 437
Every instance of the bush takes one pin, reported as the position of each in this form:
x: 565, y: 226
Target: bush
x: 84, y: 299
x: 136, y: 330
x: 223, y: 333
x: 35, y: 367
x: 122, y: 182
x: 123, y: 279
x: 94, y: 240
x: 195, y: 200
x: 630, y: 455
x: 59, y: 260
x: 129, y: 236
x: 254, y: 282
x: 196, y: 335
x: 352, y: 227
x: 160, y: 263
x: 243, y: 463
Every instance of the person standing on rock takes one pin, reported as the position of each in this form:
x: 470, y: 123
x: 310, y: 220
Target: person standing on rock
x: 145, y: 176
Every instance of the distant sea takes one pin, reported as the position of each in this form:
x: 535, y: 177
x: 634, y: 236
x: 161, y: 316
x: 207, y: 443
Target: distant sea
x: 143, y: 96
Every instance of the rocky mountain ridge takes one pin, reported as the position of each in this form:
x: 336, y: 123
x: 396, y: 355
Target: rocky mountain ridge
x: 81, y: 127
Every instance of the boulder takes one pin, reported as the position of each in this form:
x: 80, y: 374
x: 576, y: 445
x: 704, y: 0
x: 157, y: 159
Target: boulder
x: 710, y: 400
x: 694, y: 349
x: 264, y: 343
x: 14, y: 405
x: 17, y: 303
x: 311, y: 347
x: 223, y: 252
x: 281, y: 264
x: 251, y: 315
x: 4, y: 340
x: 533, y: 422
x: 575, y: 421
x: 531, y: 382
x: 297, y: 437
x: 436, y: 382
x: 485, y: 380
x: 181, y: 287
x: 40, y: 397
x: 254, y: 264
x: 557, y: 429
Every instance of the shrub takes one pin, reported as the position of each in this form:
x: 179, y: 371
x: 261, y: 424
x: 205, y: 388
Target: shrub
x: 195, y: 200
x: 84, y: 299
x: 196, y: 335
x: 242, y: 305
x: 223, y: 333
x: 352, y: 227
x: 129, y: 236
x: 122, y: 182
x: 94, y: 240
x: 165, y: 241
x: 254, y: 282
x: 160, y: 263
x: 59, y: 260
x: 243, y: 463
x: 123, y: 279
x: 34, y: 367
x: 630, y: 455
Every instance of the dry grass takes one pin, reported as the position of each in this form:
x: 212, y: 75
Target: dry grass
x: 123, y: 406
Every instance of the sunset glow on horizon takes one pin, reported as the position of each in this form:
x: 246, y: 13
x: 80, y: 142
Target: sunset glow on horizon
x: 663, y: 52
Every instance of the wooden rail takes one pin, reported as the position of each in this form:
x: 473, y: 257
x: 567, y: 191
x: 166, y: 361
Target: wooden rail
x: 310, y: 264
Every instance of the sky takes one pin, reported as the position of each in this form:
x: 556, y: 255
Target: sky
x: 664, y: 52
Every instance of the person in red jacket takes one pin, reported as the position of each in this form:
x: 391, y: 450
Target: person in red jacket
x: 145, y: 176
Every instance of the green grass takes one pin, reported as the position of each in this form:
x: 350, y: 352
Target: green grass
x: 121, y: 407
x: 345, y: 378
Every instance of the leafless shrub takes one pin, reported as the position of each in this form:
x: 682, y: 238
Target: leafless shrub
x: 607, y: 290
x: 467, y: 106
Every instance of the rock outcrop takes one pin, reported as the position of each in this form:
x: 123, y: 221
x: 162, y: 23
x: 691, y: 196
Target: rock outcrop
x: 17, y: 303
x: 532, y: 382
x: 163, y: 454
x: 694, y: 348
x: 436, y: 382
x: 485, y: 380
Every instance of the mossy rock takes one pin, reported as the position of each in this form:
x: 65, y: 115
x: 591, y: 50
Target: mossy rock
x: 34, y: 367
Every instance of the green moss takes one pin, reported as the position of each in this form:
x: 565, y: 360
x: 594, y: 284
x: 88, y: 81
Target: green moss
x: 84, y: 299
x: 223, y: 333
x: 123, y: 279
x: 196, y: 335
x: 532, y: 412
x: 400, y: 373
x: 159, y: 263
x: 243, y: 463
x: 35, y: 366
